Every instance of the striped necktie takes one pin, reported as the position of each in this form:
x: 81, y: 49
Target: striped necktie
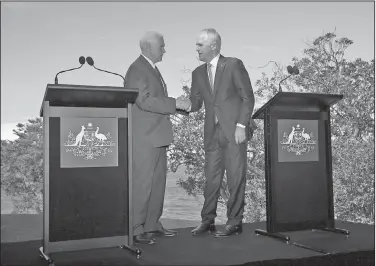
x: 210, y: 75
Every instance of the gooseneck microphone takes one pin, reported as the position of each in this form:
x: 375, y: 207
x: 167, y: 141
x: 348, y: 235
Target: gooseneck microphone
x: 82, y: 62
x: 90, y: 62
x: 292, y: 71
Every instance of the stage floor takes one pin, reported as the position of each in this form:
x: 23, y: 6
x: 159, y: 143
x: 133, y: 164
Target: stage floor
x: 185, y: 249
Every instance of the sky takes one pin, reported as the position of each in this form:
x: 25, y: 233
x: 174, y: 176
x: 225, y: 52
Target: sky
x: 40, y: 39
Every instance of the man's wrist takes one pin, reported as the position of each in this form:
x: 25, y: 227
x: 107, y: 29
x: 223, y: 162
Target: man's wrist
x: 240, y: 125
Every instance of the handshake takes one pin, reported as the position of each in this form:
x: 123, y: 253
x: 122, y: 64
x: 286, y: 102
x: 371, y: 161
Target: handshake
x: 183, y: 104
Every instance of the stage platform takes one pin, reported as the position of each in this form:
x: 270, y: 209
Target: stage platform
x: 184, y: 249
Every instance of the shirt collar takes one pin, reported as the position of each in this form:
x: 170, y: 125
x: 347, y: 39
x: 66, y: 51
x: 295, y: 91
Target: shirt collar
x: 214, y: 61
x: 147, y: 59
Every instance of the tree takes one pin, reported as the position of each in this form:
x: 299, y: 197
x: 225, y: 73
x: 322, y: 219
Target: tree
x: 22, y: 167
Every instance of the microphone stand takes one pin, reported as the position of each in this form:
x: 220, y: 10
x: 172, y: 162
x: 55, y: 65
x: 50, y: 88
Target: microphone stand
x: 111, y: 73
x: 56, y: 80
x: 279, y: 85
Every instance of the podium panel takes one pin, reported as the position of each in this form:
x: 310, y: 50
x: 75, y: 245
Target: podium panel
x: 87, y: 199
x: 87, y: 202
x: 300, y: 183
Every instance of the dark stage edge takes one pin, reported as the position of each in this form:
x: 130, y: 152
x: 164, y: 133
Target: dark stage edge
x: 243, y: 249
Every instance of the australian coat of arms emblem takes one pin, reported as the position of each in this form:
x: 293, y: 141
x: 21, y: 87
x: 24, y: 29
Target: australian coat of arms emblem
x: 89, y: 143
x: 298, y: 141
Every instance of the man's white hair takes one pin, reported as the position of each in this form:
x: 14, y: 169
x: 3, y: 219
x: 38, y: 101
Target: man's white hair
x: 213, y: 36
x: 149, y: 37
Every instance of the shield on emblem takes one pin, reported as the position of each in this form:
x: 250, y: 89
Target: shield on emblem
x: 89, y: 135
x: 298, y: 136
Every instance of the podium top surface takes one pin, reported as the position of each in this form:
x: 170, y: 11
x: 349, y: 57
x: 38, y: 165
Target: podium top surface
x: 66, y: 95
x: 298, y: 99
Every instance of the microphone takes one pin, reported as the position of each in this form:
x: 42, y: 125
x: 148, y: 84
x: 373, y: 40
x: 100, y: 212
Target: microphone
x: 90, y: 62
x: 82, y: 62
x: 292, y: 71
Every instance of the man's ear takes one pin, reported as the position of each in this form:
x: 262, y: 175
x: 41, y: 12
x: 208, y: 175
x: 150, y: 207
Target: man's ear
x: 213, y: 46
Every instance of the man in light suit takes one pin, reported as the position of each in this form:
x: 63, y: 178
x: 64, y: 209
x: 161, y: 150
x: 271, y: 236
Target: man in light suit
x: 224, y: 86
x: 152, y: 133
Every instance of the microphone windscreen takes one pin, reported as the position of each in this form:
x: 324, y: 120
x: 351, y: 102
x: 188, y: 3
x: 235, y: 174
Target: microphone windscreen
x: 81, y: 60
x: 90, y: 61
x: 295, y: 70
x: 289, y: 69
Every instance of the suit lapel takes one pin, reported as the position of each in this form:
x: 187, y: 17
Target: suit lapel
x: 218, y: 73
x: 149, y: 67
x: 153, y: 71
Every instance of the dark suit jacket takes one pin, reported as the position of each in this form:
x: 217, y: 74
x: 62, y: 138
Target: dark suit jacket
x: 232, y: 101
x: 152, y: 109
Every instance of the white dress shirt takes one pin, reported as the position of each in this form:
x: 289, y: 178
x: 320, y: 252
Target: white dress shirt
x: 147, y: 59
x: 213, y: 67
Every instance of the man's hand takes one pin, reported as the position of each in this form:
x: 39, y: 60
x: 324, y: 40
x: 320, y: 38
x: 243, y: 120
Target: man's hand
x: 239, y: 135
x: 183, y: 104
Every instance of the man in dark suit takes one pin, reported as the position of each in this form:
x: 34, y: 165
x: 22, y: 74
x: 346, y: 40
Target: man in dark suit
x: 224, y: 86
x: 152, y: 133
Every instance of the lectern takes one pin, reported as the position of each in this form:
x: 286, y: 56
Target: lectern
x: 298, y: 163
x: 87, y: 168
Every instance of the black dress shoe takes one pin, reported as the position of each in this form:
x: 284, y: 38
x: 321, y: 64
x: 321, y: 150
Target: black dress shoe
x: 164, y: 232
x: 203, y: 228
x: 144, y: 238
x: 229, y: 230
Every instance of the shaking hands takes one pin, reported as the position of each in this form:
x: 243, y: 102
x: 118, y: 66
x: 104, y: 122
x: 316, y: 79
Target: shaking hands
x: 183, y: 104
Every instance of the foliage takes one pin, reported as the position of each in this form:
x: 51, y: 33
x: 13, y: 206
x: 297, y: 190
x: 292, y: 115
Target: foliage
x: 354, y: 179
x: 22, y: 167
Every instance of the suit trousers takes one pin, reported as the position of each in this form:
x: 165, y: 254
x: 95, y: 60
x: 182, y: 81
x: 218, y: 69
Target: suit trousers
x: 232, y: 158
x: 149, y: 184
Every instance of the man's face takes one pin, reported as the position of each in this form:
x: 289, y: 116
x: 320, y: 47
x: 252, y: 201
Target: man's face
x: 157, y: 50
x: 205, y: 48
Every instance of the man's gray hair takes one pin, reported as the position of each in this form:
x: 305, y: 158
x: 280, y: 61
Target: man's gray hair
x: 149, y: 37
x: 213, y: 36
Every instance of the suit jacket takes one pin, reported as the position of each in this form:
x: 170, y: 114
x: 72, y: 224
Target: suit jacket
x: 232, y: 101
x: 152, y: 109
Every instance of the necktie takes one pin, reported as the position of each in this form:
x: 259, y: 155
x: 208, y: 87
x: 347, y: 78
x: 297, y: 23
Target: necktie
x: 163, y: 83
x: 210, y: 75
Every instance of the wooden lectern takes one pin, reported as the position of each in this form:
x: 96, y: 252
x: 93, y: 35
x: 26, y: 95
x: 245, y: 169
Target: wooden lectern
x: 298, y: 163
x: 87, y: 168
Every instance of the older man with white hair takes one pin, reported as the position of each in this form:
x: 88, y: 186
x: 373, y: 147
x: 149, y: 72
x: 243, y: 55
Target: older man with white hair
x: 152, y: 133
